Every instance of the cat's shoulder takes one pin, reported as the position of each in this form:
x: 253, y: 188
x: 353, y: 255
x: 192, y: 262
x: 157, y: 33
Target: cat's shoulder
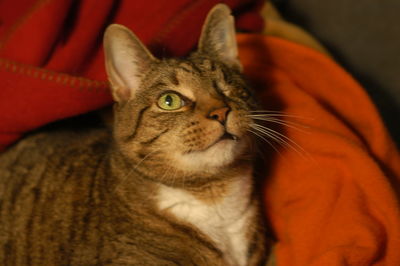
x: 63, y: 142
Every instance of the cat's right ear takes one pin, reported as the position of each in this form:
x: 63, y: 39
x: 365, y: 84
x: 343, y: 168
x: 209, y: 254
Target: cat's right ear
x: 126, y: 59
x: 218, y: 37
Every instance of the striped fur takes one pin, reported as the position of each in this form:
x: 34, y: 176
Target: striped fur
x: 141, y: 192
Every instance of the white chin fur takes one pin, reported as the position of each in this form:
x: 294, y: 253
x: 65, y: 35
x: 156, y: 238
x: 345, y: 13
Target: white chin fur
x: 218, y: 155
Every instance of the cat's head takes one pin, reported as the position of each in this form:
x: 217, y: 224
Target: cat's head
x: 182, y: 116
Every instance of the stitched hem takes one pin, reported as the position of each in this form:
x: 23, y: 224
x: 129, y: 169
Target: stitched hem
x: 53, y: 76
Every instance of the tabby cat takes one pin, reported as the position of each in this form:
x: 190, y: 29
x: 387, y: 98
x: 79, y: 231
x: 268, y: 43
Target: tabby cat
x: 169, y: 184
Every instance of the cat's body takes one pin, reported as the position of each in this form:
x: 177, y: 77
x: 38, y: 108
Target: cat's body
x: 170, y: 184
x: 70, y: 210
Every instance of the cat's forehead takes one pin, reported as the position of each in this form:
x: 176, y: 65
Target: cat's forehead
x: 195, y: 68
x: 187, y: 76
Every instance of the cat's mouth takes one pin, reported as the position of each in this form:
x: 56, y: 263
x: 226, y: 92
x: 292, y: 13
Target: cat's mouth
x: 219, y: 152
x: 226, y: 136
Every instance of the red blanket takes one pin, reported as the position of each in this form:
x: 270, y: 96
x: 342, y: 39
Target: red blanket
x: 51, y: 57
x: 332, y: 197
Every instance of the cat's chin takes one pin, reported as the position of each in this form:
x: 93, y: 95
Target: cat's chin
x: 218, y: 155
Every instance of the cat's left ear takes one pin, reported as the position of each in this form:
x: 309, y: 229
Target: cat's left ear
x: 126, y: 60
x: 218, y: 37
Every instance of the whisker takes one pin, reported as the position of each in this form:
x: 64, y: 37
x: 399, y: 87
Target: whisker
x: 290, y: 124
x: 132, y: 170
x: 277, y: 115
x: 163, y: 177
x: 263, y: 138
x: 174, y: 178
x: 279, y: 137
x: 271, y: 135
x: 144, y: 158
x: 266, y: 111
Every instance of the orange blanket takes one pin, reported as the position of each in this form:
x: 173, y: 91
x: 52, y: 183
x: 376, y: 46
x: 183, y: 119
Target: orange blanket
x: 332, y: 198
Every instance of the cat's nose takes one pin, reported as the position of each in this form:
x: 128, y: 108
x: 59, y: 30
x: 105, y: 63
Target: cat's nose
x: 219, y: 114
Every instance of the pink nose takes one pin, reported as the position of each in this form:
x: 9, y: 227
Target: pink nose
x: 219, y: 114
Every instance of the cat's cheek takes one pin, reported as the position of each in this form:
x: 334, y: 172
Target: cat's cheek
x: 237, y: 124
x: 200, y: 137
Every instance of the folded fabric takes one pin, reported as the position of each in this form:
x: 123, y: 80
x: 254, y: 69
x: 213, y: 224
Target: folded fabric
x: 51, y: 57
x: 331, y: 193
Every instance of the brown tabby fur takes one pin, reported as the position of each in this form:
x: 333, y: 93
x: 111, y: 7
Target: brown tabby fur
x: 89, y: 197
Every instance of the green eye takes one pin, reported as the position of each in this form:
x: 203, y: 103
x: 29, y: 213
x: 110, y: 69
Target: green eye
x: 170, y: 101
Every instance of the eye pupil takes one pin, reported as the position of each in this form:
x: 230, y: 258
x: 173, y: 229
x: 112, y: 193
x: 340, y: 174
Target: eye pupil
x: 168, y: 100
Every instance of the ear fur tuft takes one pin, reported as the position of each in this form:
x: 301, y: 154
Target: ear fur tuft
x: 126, y: 59
x: 218, y: 37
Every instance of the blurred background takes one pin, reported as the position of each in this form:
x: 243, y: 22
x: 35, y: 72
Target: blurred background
x: 364, y: 37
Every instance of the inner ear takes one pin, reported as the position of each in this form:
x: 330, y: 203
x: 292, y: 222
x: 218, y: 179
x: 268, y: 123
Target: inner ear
x: 126, y: 60
x: 218, y: 36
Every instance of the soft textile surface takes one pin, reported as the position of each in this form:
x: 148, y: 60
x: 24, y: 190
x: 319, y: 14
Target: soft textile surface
x: 51, y: 58
x: 331, y: 199
x: 364, y: 36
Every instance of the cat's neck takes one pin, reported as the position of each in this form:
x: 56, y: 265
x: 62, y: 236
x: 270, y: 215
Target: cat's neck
x: 207, y: 187
x: 124, y: 169
x: 220, y: 209
x: 221, y: 212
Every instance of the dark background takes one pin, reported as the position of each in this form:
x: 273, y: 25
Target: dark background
x: 364, y: 37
